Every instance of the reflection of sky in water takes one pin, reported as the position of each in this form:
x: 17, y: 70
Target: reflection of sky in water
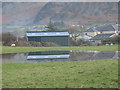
x: 47, y: 56
x: 53, y: 56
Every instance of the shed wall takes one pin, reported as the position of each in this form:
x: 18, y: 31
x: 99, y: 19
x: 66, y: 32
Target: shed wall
x: 60, y: 40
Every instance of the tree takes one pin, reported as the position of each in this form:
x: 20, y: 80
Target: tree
x: 79, y: 42
x: 50, y: 26
x: 8, y: 38
x: 114, y: 40
x: 74, y: 32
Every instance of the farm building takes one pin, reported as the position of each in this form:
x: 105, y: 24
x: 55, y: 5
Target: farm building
x: 58, y: 37
x: 98, y: 38
x: 106, y: 29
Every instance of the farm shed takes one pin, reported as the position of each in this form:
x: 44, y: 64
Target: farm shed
x: 58, y: 37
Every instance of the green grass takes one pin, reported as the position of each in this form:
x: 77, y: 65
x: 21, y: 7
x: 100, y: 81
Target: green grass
x: 76, y: 74
x: 6, y: 49
x: 80, y: 74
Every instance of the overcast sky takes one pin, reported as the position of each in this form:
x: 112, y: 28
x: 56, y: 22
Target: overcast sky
x: 59, y: 0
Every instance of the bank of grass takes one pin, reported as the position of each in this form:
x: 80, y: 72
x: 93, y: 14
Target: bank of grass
x: 6, y: 49
x: 74, y: 74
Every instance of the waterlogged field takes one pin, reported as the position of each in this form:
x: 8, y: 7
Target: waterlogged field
x: 73, y: 74
x: 6, y: 49
x: 76, y: 74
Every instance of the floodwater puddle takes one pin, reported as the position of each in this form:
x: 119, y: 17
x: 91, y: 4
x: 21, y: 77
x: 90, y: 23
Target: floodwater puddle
x: 54, y: 56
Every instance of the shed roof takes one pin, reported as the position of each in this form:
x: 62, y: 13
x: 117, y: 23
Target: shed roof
x: 37, y: 33
x: 101, y: 36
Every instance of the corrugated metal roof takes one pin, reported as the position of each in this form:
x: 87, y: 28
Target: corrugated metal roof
x: 47, y: 34
x: 101, y: 36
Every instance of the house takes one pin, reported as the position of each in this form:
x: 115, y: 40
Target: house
x: 98, y: 38
x: 58, y: 37
x: 106, y: 29
x: 85, y: 37
x: 91, y: 32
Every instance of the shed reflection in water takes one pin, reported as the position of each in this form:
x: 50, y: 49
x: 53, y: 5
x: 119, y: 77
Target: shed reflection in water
x: 53, y: 56
x: 48, y: 55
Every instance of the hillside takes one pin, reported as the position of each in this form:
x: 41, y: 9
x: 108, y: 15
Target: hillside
x: 78, y: 13
x: 29, y: 13
x: 15, y: 13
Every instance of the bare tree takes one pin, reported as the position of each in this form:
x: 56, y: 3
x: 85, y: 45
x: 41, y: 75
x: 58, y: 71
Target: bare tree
x: 8, y: 38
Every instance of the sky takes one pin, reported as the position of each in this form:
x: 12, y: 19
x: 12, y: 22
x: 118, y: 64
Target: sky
x: 59, y: 0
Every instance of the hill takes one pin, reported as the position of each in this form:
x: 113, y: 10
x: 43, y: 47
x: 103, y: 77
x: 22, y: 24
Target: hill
x: 71, y: 13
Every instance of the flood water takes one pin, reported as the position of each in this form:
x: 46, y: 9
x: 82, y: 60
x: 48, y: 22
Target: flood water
x: 55, y: 56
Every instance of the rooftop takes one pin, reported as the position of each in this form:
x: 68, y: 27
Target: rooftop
x: 38, y: 33
x: 109, y: 27
x: 101, y: 36
x: 91, y: 30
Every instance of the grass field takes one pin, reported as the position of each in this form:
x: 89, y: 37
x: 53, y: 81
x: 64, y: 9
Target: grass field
x: 76, y: 74
x: 6, y: 49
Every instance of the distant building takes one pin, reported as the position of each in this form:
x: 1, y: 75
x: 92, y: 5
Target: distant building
x: 58, y: 37
x: 91, y: 32
x: 98, y: 38
x: 85, y: 37
x: 102, y: 32
x: 106, y: 29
